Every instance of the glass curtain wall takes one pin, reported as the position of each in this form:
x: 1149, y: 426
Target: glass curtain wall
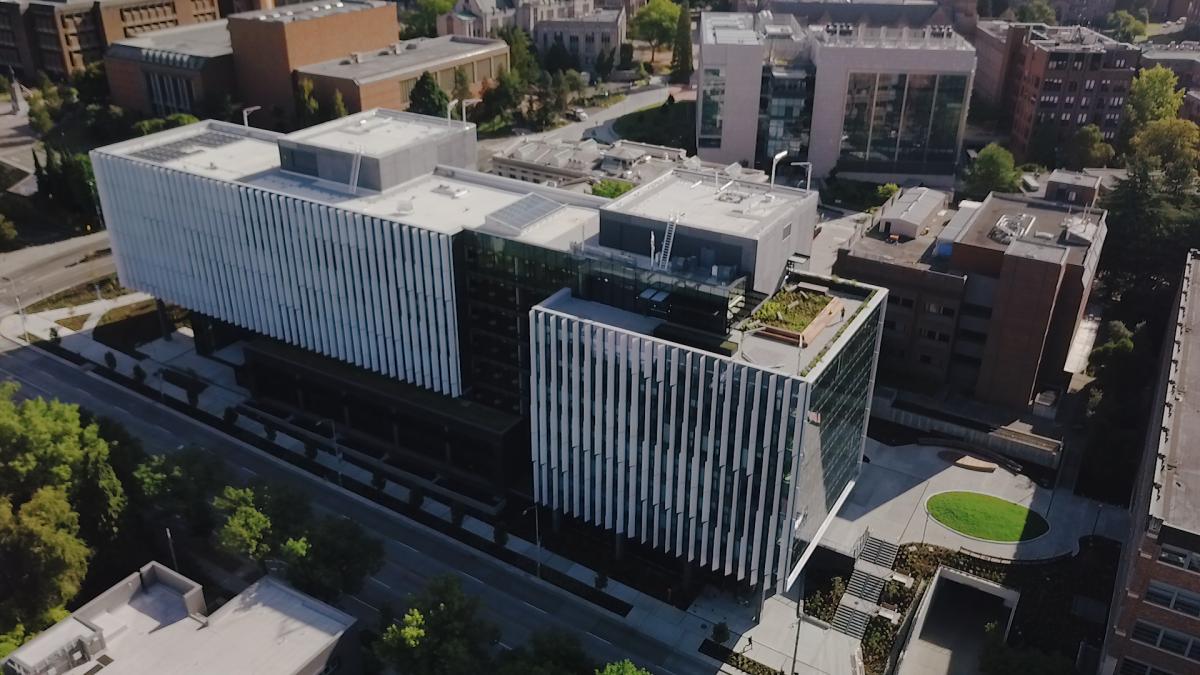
x: 903, y: 122
x: 712, y: 100
x: 784, y: 117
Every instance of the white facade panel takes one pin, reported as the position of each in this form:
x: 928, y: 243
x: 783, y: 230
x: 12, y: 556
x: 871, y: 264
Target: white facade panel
x: 371, y: 292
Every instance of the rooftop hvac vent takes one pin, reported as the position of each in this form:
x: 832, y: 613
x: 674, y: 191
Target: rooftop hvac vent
x: 450, y: 191
x: 732, y: 197
x: 411, y: 46
x: 404, y: 206
x: 1045, y: 236
x: 1011, y: 226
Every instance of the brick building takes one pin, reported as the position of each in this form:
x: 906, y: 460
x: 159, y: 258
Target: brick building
x: 984, y: 300
x: 188, y: 69
x: 384, y: 78
x: 1154, y: 627
x: 58, y: 37
x: 1181, y: 58
x: 1062, y: 77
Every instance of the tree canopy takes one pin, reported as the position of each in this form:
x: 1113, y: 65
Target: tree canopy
x: 427, y: 98
x: 656, y: 23
x: 1036, y: 11
x: 625, y: 667
x: 681, y: 49
x: 992, y: 171
x: 441, y: 634
x: 1174, y: 146
x: 1125, y: 27
x: 1154, y: 95
x: 422, y: 20
x: 1087, y: 148
x: 333, y: 557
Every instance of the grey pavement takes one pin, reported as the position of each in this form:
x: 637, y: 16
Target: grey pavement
x: 889, y: 500
x: 38, y: 271
x: 17, y: 138
x: 952, y: 638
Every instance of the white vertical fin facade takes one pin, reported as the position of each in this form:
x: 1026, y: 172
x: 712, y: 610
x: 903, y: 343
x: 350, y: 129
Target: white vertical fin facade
x: 374, y: 293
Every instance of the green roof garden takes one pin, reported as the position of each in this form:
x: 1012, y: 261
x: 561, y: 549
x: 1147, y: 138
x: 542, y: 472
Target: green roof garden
x: 791, y: 309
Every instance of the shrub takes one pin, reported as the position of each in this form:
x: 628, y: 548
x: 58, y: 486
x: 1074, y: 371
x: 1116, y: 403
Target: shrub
x: 54, y: 335
x: 500, y: 536
x: 601, y: 581
x: 378, y: 481
x: 139, y: 373
x: 110, y: 360
x: 416, y: 497
x: 271, y: 433
x: 456, y: 515
x: 193, y: 397
x: 823, y: 603
x: 720, y: 633
x: 231, y: 416
x: 310, y: 450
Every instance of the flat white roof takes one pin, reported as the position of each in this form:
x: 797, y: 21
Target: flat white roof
x: 376, y: 133
x: 447, y: 201
x: 267, y: 629
x: 710, y: 200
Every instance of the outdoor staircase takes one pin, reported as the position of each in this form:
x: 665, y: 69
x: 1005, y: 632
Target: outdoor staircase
x: 851, y: 621
x: 880, y: 552
x: 865, y: 586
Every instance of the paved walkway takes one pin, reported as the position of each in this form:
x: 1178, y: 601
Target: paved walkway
x: 890, y: 496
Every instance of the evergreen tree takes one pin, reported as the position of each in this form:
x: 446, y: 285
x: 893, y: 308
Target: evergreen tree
x: 462, y: 85
x: 604, y: 63
x: 681, y: 53
x: 427, y: 98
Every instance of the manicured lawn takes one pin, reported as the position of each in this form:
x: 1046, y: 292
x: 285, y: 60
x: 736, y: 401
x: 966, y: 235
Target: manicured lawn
x: 986, y: 517
x: 672, y: 125
x: 792, y: 310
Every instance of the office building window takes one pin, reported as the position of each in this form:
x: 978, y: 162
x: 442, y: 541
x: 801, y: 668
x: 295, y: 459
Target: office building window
x: 1168, y: 640
x: 712, y: 99
x: 1179, y: 557
x: 898, y: 122
x: 1166, y: 595
x: 1131, y: 667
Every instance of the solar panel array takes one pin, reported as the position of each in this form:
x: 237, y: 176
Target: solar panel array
x: 186, y: 146
x: 519, y: 215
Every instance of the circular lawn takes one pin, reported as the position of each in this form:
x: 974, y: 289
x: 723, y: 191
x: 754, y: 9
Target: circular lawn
x: 986, y: 517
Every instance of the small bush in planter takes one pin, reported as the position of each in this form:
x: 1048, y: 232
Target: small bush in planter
x: 456, y: 515
x: 54, y: 335
x: 231, y: 415
x: 310, y: 450
x: 271, y: 433
x: 500, y: 536
x: 720, y: 633
x: 110, y: 360
x: 139, y: 374
x: 601, y: 581
x: 378, y: 481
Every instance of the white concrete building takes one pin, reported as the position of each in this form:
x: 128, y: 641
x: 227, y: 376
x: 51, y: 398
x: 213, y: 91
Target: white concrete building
x: 876, y: 103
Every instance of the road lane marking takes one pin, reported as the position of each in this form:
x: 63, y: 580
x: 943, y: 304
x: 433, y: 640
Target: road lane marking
x: 534, y: 607
x: 380, y: 583
x: 601, y: 639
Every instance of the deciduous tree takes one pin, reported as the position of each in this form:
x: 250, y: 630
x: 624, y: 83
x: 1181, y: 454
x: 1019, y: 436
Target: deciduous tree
x: 339, y: 556
x: 450, y: 638
x: 992, y: 171
x: 1087, y: 149
x: 655, y: 23
x: 1036, y: 11
x: 1154, y: 95
x: 42, y: 558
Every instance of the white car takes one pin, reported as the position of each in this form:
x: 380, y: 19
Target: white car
x: 579, y: 114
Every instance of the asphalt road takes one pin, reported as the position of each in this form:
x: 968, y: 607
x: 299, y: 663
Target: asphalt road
x: 517, y: 602
x: 35, y: 272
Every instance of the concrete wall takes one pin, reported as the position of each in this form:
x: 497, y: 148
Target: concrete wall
x: 741, y: 67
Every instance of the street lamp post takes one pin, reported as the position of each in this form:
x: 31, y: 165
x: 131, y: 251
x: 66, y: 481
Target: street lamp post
x: 450, y: 107
x: 246, y: 114
x: 12, y: 289
x: 774, y: 163
x: 537, y: 533
x: 337, y: 450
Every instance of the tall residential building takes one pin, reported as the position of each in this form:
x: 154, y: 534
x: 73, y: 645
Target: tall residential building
x: 869, y: 102
x: 984, y: 299
x: 384, y: 286
x: 156, y: 621
x: 59, y: 37
x: 257, y: 58
x: 1052, y: 80
x: 1154, y: 627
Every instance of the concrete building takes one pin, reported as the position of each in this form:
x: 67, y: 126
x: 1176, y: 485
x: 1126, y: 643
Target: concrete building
x: 961, y: 14
x: 156, y: 621
x: 909, y: 212
x: 188, y: 69
x: 984, y: 300
x: 482, y: 18
x: 384, y: 286
x: 581, y: 163
x: 585, y: 37
x: 1181, y: 58
x: 385, y: 78
x: 1154, y: 626
x: 1074, y: 187
x: 59, y: 37
x: 270, y: 45
x: 1052, y: 80
x: 871, y: 102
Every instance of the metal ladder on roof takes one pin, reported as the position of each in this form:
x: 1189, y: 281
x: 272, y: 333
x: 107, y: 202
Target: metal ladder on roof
x: 664, y: 256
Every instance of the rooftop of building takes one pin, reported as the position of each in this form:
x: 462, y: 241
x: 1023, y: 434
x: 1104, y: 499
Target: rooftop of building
x: 1188, y: 50
x: 915, y: 205
x: 408, y: 57
x: 598, y: 16
x: 309, y: 10
x: 744, y: 28
x: 1015, y: 224
x: 1079, y: 178
x: 154, y: 622
x: 729, y: 28
x: 1175, y: 495
x: 205, y: 40
x: 1056, y: 38
x: 716, y: 201
x: 446, y: 201
x: 792, y: 348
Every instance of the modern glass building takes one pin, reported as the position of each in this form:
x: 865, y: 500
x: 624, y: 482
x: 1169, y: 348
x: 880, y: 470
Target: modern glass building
x: 733, y: 456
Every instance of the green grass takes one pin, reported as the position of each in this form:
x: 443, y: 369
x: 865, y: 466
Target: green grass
x: 986, y: 517
x: 671, y: 125
x: 792, y: 310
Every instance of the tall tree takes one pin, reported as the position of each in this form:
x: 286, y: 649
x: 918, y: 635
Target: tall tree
x: 605, y: 63
x: 427, y: 98
x: 681, y: 50
x: 552, y: 652
x: 449, y: 638
x: 655, y: 23
x: 42, y: 559
x: 1175, y: 145
x: 1087, y: 149
x: 308, y: 108
x: 504, y: 98
x: 244, y: 530
x: 1125, y: 27
x: 338, y: 109
x: 992, y: 171
x: 422, y: 21
x: 1036, y: 11
x: 462, y: 85
x: 558, y: 58
x: 338, y: 557
x: 1154, y: 95
x: 575, y: 82
x: 520, y: 54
